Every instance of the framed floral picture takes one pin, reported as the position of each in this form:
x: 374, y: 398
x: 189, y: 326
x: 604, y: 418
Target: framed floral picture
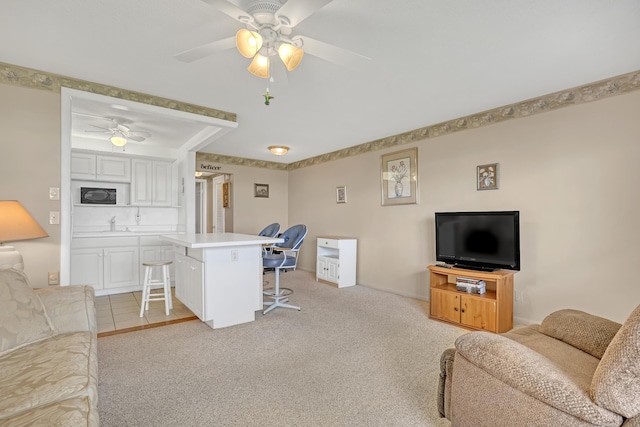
x: 399, y: 177
x: 487, y: 176
x: 341, y: 194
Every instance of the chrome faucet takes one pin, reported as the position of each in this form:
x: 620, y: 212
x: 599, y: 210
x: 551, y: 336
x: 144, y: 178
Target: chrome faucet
x: 113, y: 224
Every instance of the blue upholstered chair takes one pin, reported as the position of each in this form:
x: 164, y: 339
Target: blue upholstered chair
x: 284, y: 256
x: 270, y: 230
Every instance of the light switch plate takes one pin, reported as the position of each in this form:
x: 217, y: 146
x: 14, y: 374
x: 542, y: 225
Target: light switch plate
x: 54, y: 193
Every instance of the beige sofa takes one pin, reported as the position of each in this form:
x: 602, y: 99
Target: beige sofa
x: 48, y: 354
x: 574, y: 369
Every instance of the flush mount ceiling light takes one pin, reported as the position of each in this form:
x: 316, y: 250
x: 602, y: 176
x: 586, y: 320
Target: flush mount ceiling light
x: 278, y: 150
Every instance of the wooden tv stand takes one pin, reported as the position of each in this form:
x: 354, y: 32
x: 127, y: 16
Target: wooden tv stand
x: 491, y: 311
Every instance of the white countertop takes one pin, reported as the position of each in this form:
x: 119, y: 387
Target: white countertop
x: 93, y: 234
x: 211, y: 240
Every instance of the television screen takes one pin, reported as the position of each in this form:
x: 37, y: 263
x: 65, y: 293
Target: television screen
x: 478, y: 240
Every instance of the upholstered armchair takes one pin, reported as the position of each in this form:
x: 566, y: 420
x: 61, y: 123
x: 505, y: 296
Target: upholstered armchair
x: 574, y: 369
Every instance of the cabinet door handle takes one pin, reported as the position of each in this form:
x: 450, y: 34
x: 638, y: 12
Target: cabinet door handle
x: 462, y: 310
x: 455, y: 308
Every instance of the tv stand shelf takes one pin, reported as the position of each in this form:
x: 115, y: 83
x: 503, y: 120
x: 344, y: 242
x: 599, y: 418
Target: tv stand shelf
x: 491, y: 311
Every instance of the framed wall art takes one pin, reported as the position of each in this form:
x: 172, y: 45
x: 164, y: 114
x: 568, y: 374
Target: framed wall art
x: 487, y: 176
x: 341, y: 194
x: 225, y: 194
x: 261, y: 190
x: 399, y: 177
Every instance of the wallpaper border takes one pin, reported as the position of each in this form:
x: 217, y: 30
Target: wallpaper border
x: 625, y: 83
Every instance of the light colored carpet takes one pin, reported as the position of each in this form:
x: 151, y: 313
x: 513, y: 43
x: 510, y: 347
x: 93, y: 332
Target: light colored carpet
x: 351, y: 357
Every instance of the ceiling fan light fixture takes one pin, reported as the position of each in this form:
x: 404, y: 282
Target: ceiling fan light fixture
x: 248, y: 42
x: 290, y: 55
x: 278, y: 150
x: 259, y: 66
x: 118, y: 141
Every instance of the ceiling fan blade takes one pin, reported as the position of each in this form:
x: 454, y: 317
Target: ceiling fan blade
x: 298, y: 11
x: 206, y: 50
x: 141, y: 132
x: 332, y: 53
x: 231, y: 10
x: 105, y: 130
x: 136, y: 138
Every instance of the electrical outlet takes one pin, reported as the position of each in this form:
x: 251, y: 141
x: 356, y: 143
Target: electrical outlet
x: 234, y: 255
x: 519, y: 296
x: 53, y: 278
x: 54, y: 217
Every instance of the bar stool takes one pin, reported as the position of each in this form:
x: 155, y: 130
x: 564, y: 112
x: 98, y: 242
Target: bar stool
x: 149, y: 282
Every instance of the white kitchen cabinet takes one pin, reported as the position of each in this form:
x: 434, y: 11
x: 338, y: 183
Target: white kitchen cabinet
x: 189, y: 283
x: 151, y: 183
x: 87, y: 267
x: 92, y: 167
x: 106, y: 263
x: 336, y: 260
x: 121, y: 267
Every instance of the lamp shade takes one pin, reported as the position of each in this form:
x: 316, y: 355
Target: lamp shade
x: 248, y: 43
x: 290, y: 55
x: 279, y: 150
x: 259, y: 66
x: 17, y: 224
x: 118, y: 141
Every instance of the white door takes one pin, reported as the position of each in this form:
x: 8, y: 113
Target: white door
x: 201, y: 206
x: 218, y: 210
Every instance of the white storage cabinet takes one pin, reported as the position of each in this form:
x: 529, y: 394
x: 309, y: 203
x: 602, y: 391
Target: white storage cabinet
x: 105, y: 263
x: 151, y: 183
x: 189, y: 279
x: 336, y: 260
x: 93, y: 167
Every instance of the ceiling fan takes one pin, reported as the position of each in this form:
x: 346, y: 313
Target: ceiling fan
x: 268, y: 32
x: 120, y: 133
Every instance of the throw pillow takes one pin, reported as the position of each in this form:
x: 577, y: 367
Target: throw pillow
x: 22, y: 316
x: 616, y: 381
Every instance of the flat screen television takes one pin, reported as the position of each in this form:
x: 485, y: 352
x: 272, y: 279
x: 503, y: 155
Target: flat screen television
x: 479, y: 240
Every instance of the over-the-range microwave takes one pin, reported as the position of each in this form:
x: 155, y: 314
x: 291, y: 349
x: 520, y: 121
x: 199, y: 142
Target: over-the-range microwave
x: 97, y: 196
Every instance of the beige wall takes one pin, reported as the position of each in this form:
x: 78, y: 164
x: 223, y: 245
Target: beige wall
x: 252, y: 214
x: 572, y: 173
x: 30, y: 164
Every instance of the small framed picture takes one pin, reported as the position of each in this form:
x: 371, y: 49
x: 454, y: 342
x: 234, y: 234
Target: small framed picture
x: 225, y: 194
x: 487, y: 176
x: 341, y: 194
x: 261, y: 190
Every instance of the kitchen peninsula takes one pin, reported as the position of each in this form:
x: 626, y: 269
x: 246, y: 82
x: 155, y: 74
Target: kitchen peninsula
x: 219, y: 275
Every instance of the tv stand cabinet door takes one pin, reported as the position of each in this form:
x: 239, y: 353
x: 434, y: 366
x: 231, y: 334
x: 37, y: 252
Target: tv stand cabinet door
x: 478, y: 313
x: 445, y: 305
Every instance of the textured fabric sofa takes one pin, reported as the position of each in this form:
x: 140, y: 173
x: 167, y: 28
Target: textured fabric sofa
x: 574, y: 369
x: 48, y: 354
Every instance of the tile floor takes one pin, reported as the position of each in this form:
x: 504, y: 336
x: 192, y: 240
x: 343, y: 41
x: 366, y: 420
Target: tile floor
x: 122, y: 311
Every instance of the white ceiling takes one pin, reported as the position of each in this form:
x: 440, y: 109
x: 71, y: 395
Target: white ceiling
x: 431, y: 61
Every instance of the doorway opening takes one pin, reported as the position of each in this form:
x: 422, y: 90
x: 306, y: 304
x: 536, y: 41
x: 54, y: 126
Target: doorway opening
x: 212, y: 203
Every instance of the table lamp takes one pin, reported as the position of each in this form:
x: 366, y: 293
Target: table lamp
x: 16, y: 224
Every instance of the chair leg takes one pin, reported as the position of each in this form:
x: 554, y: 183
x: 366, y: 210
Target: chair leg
x: 145, y: 292
x: 166, y: 287
x: 279, y: 300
